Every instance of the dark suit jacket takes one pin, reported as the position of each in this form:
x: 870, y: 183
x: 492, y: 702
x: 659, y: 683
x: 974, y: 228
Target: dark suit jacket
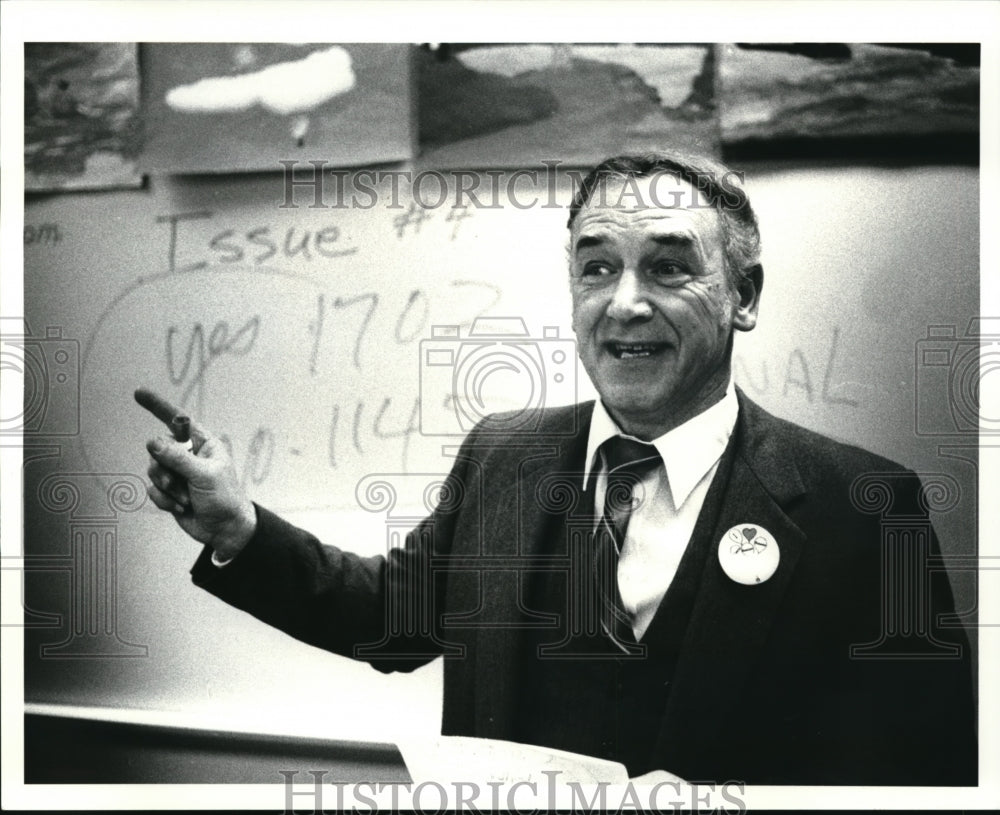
x: 833, y: 671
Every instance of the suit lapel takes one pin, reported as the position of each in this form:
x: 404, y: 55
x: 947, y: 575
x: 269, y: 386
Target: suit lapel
x: 730, y: 622
x: 519, y: 525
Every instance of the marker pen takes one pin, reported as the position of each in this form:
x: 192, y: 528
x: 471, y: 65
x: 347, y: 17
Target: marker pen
x: 180, y: 426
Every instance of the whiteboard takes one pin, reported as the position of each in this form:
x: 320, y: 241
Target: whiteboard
x: 299, y: 333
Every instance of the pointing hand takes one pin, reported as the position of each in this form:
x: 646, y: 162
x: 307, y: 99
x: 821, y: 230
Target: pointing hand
x: 199, y: 487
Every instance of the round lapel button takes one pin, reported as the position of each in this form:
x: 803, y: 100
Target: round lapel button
x: 748, y: 554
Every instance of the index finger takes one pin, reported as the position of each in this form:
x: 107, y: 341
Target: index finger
x: 157, y: 405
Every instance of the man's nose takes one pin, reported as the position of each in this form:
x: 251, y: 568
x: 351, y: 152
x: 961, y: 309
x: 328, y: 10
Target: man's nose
x: 629, y: 300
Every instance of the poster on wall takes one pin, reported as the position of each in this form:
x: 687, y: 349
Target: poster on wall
x: 232, y: 107
x: 861, y: 91
x: 496, y: 105
x: 81, y: 116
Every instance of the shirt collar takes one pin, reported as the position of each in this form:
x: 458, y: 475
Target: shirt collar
x: 688, y: 451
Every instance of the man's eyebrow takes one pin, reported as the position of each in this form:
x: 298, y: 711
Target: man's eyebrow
x: 586, y: 241
x: 671, y: 240
x: 674, y: 239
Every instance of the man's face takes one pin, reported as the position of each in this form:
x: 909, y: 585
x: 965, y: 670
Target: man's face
x: 653, y: 308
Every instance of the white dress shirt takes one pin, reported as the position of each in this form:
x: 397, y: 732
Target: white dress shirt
x: 672, y: 496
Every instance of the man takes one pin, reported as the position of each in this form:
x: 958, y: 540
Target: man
x: 671, y: 577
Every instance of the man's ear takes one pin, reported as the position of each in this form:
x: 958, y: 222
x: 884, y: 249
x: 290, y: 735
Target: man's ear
x: 748, y: 288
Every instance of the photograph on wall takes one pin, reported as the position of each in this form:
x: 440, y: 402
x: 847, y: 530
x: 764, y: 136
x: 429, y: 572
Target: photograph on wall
x: 231, y: 107
x: 909, y: 93
x: 497, y: 105
x: 81, y: 115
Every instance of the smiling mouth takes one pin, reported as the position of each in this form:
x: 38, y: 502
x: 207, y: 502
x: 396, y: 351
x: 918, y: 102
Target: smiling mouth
x: 635, y: 350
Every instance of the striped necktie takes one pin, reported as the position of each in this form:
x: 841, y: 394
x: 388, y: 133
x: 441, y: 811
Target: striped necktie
x: 628, y: 461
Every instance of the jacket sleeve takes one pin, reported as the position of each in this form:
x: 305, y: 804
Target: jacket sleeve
x: 917, y: 722
x: 941, y: 703
x: 384, y: 609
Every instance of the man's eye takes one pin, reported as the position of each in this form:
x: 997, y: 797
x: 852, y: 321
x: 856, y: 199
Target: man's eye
x: 669, y: 268
x: 597, y: 269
